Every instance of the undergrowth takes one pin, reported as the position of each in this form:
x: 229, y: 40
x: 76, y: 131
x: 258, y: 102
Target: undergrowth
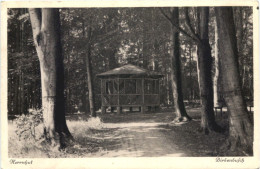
x: 26, y: 138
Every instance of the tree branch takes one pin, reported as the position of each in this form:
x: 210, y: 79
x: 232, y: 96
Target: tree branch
x: 188, y: 24
x: 165, y: 15
x: 179, y: 29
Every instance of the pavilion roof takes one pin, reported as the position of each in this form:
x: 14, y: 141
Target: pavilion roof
x: 130, y: 70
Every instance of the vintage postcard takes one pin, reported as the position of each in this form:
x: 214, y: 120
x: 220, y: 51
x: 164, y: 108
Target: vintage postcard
x: 130, y: 84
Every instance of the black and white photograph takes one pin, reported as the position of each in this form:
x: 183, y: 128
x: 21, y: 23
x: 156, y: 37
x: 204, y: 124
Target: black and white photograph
x: 147, y: 81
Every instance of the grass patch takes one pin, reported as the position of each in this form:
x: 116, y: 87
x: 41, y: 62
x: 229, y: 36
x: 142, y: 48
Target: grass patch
x: 124, y: 135
x: 84, y: 132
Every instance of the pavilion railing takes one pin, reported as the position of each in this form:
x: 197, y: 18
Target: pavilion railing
x: 151, y: 99
x: 129, y: 92
x: 130, y: 99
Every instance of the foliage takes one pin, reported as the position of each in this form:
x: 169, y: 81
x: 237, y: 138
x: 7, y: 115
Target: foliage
x: 119, y: 35
x: 23, y: 64
x: 26, y: 125
x: 22, y: 143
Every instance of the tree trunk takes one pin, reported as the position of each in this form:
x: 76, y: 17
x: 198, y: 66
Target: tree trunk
x: 112, y: 61
x: 243, y: 76
x: 35, y: 96
x: 46, y: 33
x: 190, y: 73
x: 84, y: 96
x: 240, y: 127
x: 167, y: 89
x: 16, y: 96
x: 145, y: 43
x: 90, y: 82
x: 205, y: 78
x: 32, y: 92
x: 68, y: 103
x: 176, y: 82
x: 166, y: 78
x: 88, y: 66
x: 20, y: 93
x: 238, y: 16
x: 216, y: 75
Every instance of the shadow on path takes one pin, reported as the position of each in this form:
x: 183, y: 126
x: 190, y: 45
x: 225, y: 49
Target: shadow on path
x: 139, y: 140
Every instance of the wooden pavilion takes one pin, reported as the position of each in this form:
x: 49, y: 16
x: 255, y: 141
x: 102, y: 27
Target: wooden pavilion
x: 129, y: 86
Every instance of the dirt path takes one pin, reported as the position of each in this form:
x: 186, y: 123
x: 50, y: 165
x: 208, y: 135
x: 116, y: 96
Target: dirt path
x: 150, y: 135
x: 150, y: 139
x: 146, y: 138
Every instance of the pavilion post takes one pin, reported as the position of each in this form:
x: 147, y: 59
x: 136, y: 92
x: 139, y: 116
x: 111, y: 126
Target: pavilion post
x: 112, y: 109
x: 118, y: 99
x: 143, y: 104
x: 103, y: 108
x: 159, y: 98
x: 119, y: 109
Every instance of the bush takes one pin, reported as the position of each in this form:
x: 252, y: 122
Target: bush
x: 26, y: 125
x: 26, y: 138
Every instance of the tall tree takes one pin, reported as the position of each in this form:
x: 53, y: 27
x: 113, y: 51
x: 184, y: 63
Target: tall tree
x: 46, y: 34
x: 204, y: 64
x: 205, y: 77
x: 216, y: 75
x: 23, y: 69
x: 104, y: 28
x: 88, y: 65
x: 243, y: 24
x: 240, y: 123
x: 176, y: 82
